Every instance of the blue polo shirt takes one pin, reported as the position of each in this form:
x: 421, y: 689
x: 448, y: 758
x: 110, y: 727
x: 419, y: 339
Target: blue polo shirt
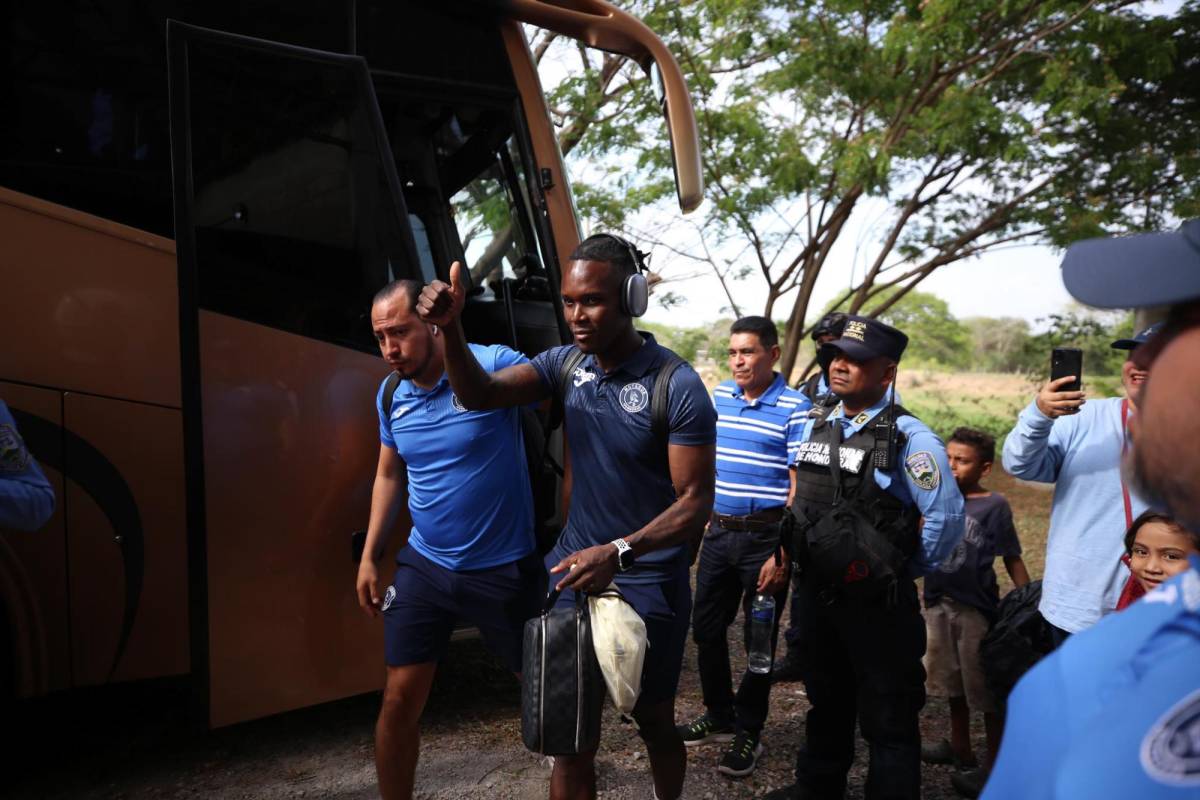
x: 1115, y: 711
x: 756, y: 441
x: 621, y: 477
x: 468, y: 483
x: 921, y: 475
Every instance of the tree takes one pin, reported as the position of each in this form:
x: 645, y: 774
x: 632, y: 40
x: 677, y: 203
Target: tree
x: 962, y: 126
x: 935, y: 337
x: 998, y: 344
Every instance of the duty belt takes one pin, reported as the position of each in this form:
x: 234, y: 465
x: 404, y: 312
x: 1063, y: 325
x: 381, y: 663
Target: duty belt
x: 760, y: 521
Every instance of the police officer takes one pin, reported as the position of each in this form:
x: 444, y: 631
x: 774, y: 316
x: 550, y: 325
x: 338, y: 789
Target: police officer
x: 861, y: 633
x: 1115, y: 711
x: 637, y: 498
x: 816, y: 387
x: 26, y: 497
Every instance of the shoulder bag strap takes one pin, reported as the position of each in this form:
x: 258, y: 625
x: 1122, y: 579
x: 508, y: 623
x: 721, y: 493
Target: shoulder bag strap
x: 389, y: 391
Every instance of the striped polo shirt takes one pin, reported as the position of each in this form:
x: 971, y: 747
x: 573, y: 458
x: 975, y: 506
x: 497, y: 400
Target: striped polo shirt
x: 756, y: 441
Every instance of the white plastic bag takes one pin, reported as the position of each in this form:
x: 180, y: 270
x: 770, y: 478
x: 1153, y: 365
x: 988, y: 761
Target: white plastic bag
x: 619, y: 638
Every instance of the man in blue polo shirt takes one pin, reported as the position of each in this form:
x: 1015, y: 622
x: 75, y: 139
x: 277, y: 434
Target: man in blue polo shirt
x: 757, y: 417
x: 638, y: 496
x: 470, y: 554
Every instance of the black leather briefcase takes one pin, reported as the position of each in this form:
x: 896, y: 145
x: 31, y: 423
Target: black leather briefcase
x: 562, y: 688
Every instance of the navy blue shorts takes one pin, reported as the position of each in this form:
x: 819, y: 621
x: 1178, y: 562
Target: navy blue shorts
x: 666, y: 608
x: 427, y: 600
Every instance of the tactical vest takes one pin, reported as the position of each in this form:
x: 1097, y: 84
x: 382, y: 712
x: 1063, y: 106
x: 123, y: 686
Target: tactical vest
x: 860, y: 454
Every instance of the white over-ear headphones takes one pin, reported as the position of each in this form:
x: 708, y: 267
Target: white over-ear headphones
x: 635, y: 292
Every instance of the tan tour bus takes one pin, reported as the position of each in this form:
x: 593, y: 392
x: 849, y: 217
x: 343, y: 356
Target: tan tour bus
x: 197, y: 202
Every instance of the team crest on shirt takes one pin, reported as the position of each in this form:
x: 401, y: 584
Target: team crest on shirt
x: 388, y: 598
x: 1170, y: 752
x: 458, y: 406
x: 923, y: 470
x: 634, y: 397
x: 582, y: 376
x: 13, y: 455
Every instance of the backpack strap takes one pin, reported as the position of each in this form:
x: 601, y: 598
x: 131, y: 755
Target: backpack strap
x: 569, y: 365
x: 660, y: 400
x: 389, y: 391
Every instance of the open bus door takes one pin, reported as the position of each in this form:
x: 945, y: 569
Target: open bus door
x: 289, y: 216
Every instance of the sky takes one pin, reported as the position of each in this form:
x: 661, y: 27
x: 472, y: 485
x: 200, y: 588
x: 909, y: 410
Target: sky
x: 1015, y: 281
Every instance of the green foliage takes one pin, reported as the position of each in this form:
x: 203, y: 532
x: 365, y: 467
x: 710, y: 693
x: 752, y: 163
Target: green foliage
x: 935, y: 337
x: 998, y: 345
x: 1093, y: 333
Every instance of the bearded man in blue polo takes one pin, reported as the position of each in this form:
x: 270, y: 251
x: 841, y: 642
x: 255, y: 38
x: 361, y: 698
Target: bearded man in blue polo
x: 867, y: 473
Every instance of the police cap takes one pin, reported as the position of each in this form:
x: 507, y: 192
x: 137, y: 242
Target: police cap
x: 863, y: 339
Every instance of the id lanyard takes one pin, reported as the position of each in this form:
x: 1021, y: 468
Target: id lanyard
x: 1124, y: 447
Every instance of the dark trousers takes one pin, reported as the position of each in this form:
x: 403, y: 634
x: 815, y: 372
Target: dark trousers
x: 728, y: 576
x: 861, y: 663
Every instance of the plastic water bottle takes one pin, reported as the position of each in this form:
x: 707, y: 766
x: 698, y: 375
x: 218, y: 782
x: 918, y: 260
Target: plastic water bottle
x: 762, y: 620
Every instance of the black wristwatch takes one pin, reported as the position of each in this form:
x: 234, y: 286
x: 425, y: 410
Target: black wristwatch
x: 625, y: 555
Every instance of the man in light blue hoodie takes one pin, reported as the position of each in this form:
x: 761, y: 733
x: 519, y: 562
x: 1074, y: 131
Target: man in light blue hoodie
x: 1077, y: 446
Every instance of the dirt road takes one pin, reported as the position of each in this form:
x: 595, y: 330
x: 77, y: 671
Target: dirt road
x: 137, y: 743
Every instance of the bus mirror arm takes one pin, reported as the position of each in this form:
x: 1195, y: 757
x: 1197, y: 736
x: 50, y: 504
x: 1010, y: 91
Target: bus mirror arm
x: 601, y: 25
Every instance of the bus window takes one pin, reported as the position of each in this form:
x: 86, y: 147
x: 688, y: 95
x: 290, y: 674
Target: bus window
x: 296, y: 213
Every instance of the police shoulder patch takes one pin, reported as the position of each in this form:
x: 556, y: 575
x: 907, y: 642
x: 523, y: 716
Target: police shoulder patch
x: 13, y: 455
x: 923, y: 469
x: 1170, y: 752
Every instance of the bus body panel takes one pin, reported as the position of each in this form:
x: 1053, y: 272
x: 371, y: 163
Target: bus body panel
x: 95, y: 306
x: 291, y: 441
x: 127, y: 560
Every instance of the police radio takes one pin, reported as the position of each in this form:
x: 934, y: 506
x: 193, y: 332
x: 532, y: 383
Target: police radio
x: 883, y: 456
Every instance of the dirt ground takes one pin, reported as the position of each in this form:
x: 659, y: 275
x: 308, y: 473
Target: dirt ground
x: 133, y: 742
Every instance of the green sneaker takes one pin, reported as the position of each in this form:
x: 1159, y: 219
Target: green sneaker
x: 741, y: 757
x: 703, y: 730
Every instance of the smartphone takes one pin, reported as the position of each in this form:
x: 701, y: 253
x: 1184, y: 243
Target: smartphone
x: 1066, y: 361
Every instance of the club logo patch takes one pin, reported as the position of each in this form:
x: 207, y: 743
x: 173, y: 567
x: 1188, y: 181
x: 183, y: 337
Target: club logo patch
x: 458, y: 406
x: 634, y: 397
x: 1170, y: 752
x: 388, y: 598
x: 582, y: 376
x: 923, y: 470
x: 13, y: 455
x: 817, y: 453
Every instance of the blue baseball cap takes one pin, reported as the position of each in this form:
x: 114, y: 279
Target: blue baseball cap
x: 1141, y: 338
x: 1148, y: 269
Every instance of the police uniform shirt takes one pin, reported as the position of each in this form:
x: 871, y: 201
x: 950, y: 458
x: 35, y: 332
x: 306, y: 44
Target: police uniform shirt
x: 755, y: 443
x: 468, y: 484
x: 920, y: 475
x: 26, y: 497
x: 620, y: 473
x: 1115, y: 711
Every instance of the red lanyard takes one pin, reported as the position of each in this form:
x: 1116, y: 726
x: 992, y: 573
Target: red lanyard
x: 1125, y: 444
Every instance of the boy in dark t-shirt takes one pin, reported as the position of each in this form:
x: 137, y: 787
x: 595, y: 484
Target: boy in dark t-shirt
x: 961, y: 598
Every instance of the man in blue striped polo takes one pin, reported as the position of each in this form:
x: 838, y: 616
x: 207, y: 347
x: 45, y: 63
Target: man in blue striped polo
x: 759, y: 420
